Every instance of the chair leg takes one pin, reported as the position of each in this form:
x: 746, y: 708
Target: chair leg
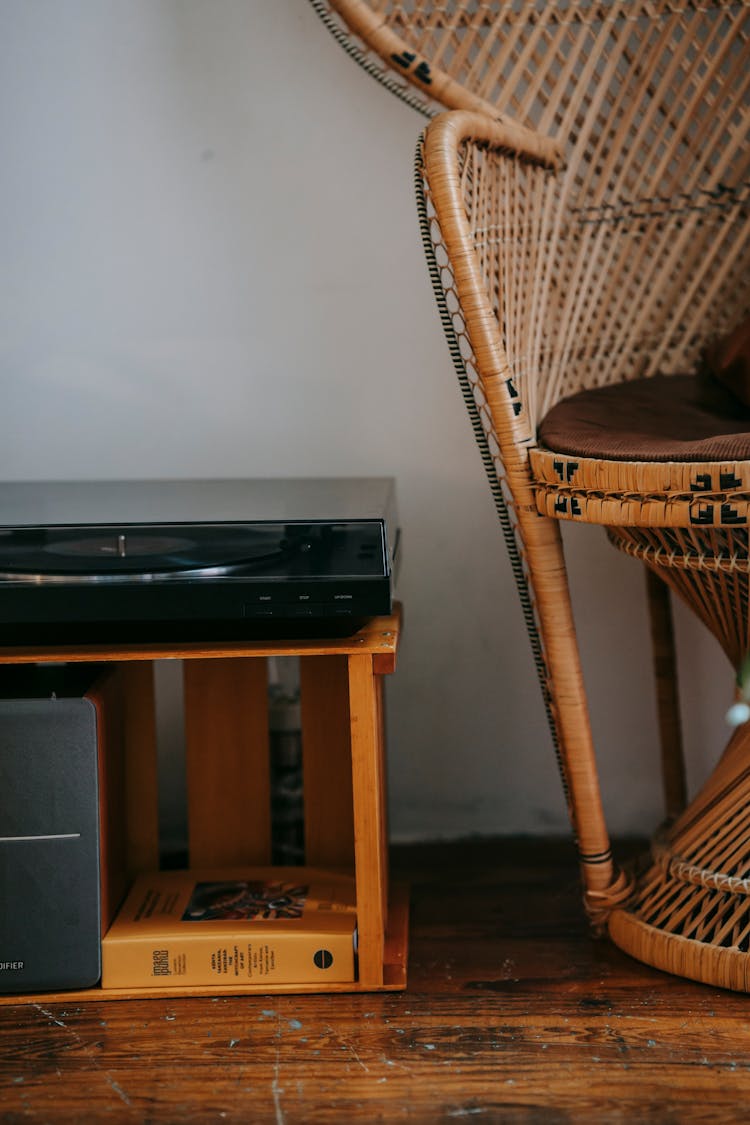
x: 604, y: 885
x: 667, y: 696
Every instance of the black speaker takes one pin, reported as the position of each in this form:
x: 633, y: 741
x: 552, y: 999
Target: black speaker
x: 52, y: 740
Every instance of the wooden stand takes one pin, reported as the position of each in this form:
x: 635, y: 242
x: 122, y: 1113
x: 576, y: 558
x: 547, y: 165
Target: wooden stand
x: 228, y: 773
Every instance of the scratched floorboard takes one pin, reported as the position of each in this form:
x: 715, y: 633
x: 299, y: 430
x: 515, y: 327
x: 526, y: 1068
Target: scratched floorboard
x: 513, y: 1014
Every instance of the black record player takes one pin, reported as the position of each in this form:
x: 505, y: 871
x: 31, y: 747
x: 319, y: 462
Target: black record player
x: 208, y: 560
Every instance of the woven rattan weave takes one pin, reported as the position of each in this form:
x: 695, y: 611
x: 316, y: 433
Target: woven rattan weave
x: 585, y: 215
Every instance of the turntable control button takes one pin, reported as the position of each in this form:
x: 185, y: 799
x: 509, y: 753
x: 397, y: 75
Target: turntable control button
x: 257, y: 610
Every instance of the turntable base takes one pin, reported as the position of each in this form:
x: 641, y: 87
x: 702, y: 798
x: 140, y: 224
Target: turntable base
x: 130, y: 562
x: 228, y: 774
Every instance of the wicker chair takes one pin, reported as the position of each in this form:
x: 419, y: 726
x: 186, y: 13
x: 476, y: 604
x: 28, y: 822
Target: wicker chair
x: 585, y: 216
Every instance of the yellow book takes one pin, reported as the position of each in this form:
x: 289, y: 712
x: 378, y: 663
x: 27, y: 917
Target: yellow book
x: 231, y: 927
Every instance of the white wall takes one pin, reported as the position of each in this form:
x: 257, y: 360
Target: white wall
x: 212, y: 267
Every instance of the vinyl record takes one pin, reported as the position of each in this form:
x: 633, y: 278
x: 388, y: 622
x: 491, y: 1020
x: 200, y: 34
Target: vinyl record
x: 133, y: 553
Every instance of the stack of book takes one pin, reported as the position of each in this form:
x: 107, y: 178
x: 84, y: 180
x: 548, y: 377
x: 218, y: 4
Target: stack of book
x: 228, y: 928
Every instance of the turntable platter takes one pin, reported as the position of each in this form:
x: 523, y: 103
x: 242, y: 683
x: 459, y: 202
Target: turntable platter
x: 112, y: 553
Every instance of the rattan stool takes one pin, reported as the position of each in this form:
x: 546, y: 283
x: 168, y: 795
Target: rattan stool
x: 690, y: 913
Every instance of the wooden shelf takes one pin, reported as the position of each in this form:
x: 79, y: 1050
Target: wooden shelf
x: 226, y: 723
x: 394, y: 972
x: 378, y: 637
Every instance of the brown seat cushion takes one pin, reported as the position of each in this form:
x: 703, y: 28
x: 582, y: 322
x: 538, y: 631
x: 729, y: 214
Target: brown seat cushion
x: 667, y: 418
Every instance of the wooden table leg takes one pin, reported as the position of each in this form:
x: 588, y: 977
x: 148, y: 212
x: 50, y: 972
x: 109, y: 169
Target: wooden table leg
x: 370, y: 835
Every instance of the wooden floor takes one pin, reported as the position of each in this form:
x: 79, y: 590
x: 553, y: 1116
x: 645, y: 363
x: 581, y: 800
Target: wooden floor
x: 512, y: 1014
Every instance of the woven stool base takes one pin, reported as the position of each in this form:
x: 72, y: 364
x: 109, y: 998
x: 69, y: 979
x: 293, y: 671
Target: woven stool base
x: 683, y: 957
x: 690, y: 912
x: 707, y: 567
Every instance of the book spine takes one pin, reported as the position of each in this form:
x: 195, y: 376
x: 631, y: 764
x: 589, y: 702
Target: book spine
x: 181, y: 962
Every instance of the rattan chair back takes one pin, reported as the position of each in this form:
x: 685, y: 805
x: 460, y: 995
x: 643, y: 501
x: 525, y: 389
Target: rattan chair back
x: 614, y: 247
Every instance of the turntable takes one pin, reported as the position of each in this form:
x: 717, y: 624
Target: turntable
x: 209, y: 560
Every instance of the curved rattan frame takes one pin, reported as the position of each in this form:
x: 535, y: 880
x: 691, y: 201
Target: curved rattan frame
x: 395, y: 61
x: 370, y: 60
x: 502, y: 432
